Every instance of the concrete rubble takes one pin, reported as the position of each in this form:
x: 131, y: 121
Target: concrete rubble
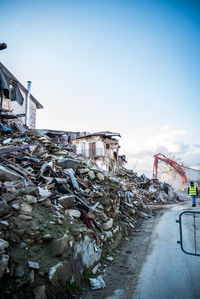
x: 58, y: 213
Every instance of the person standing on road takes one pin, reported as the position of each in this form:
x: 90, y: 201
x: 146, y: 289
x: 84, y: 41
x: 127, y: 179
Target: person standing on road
x: 193, y: 192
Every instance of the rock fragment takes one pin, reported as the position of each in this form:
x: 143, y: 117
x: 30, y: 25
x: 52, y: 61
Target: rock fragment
x: 67, y: 201
x: 59, y: 246
x: 4, y: 208
x: 73, y: 213
x: 3, y: 264
x: 33, y: 265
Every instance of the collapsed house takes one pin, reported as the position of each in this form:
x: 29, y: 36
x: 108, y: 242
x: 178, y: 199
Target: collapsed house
x: 59, y: 212
x: 102, y: 148
x: 16, y: 100
x: 65, y: 197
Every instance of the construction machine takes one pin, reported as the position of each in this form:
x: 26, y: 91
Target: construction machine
x: 172, y: 163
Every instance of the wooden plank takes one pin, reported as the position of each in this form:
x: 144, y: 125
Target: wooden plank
x: 15, y: 149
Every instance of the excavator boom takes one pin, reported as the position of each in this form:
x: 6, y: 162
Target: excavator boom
x: 172, y: 163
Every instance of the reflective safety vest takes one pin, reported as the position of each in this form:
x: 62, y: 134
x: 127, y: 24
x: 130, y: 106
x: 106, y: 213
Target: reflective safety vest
x: 193, y: 190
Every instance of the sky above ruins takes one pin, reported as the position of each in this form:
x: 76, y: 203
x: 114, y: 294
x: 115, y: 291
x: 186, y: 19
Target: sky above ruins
x: 126, y: 66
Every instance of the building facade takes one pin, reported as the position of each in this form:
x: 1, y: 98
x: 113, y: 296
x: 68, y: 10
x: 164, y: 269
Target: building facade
x: 14, y: 97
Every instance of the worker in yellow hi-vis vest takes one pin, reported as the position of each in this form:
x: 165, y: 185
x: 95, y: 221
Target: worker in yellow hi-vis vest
x: 193, y: 192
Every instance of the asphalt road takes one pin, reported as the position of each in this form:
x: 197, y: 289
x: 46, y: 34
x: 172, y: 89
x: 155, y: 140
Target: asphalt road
x: 151, y: 265
x: 168, y: 273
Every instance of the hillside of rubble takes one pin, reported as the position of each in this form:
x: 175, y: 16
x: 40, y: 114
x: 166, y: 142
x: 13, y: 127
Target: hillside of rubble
x: 60, y: 214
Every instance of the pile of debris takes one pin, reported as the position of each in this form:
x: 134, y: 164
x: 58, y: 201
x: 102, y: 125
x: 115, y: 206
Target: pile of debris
x: 58, y: 211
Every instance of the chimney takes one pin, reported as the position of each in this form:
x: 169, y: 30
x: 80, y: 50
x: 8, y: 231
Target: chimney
x: 27, y: 107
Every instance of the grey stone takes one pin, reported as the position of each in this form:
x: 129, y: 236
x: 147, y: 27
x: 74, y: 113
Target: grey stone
x: 94, y: 270
x: 19, y: 272
x: 108, y: 224
x: 87, y: 250
x: 9, y: 175
x: 3, y: 264
x: 110, y: 258
x: 3, y: 244
x: 100, y: 176
x: 33, y: 265
x: 83, y: 170
x: 58, y: 246
x: 16, y: 206
x: 59, y: 221
x: 26, y: 208
x: 28, y: 191
x: 44, y: 193
x: 108, y: 234
x: 66, y: 201
x: 56, y: 272
x: 30, y: 199
x: 8, y: 196
x: 91, y: 175
x: 42, y: 199
x: 68, y: 163
x: 4, y: 208
x: 73, y: 213
x: 40, y: 292
x: 4, y: 222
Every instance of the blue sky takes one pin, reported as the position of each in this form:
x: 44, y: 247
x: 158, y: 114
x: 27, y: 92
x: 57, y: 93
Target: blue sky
x: 126, y: 66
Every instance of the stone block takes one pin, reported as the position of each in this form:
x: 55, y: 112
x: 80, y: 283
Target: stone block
x: 8, y: 175
x: 73, y: 213
x: 83, y: 170
x: 3, y: 244
x: 33, y: 265
x: 100, y: 176
x: 66, y: 201
x: 26, y: 208
x: 67, y: 163
x: 91, y: 175
x: 8, y: 196
x: 4, y: 208
x: 30, y: 199
x: 16, y: 206
x: 58, y: 246
x: 108, y: 224
x: 56, y: 273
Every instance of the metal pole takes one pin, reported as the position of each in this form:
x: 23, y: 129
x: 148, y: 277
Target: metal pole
x: 27, y: 107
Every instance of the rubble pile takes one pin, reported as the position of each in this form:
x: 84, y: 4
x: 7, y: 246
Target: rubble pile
x: 58, y: 211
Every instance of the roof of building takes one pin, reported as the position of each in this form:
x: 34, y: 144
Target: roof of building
x: 38, y: 105
x: 105, y: 134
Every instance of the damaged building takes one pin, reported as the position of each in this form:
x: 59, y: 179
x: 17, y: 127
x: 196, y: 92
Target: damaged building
x: 102, y: 148
x: 16, y: 100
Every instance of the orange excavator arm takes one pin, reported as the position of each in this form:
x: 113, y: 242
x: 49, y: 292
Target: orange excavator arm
x: 172, y: 163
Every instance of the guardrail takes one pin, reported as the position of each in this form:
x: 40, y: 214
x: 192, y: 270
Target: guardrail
x: 189, y: 228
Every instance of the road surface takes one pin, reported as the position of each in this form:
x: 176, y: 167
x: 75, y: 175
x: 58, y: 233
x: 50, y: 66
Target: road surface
x: 153, y: 266
x: 168, y: 272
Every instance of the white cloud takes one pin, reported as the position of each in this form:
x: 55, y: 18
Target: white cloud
x: 167, y: 141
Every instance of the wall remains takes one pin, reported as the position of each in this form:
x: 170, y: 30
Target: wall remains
x: 18, y: 109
